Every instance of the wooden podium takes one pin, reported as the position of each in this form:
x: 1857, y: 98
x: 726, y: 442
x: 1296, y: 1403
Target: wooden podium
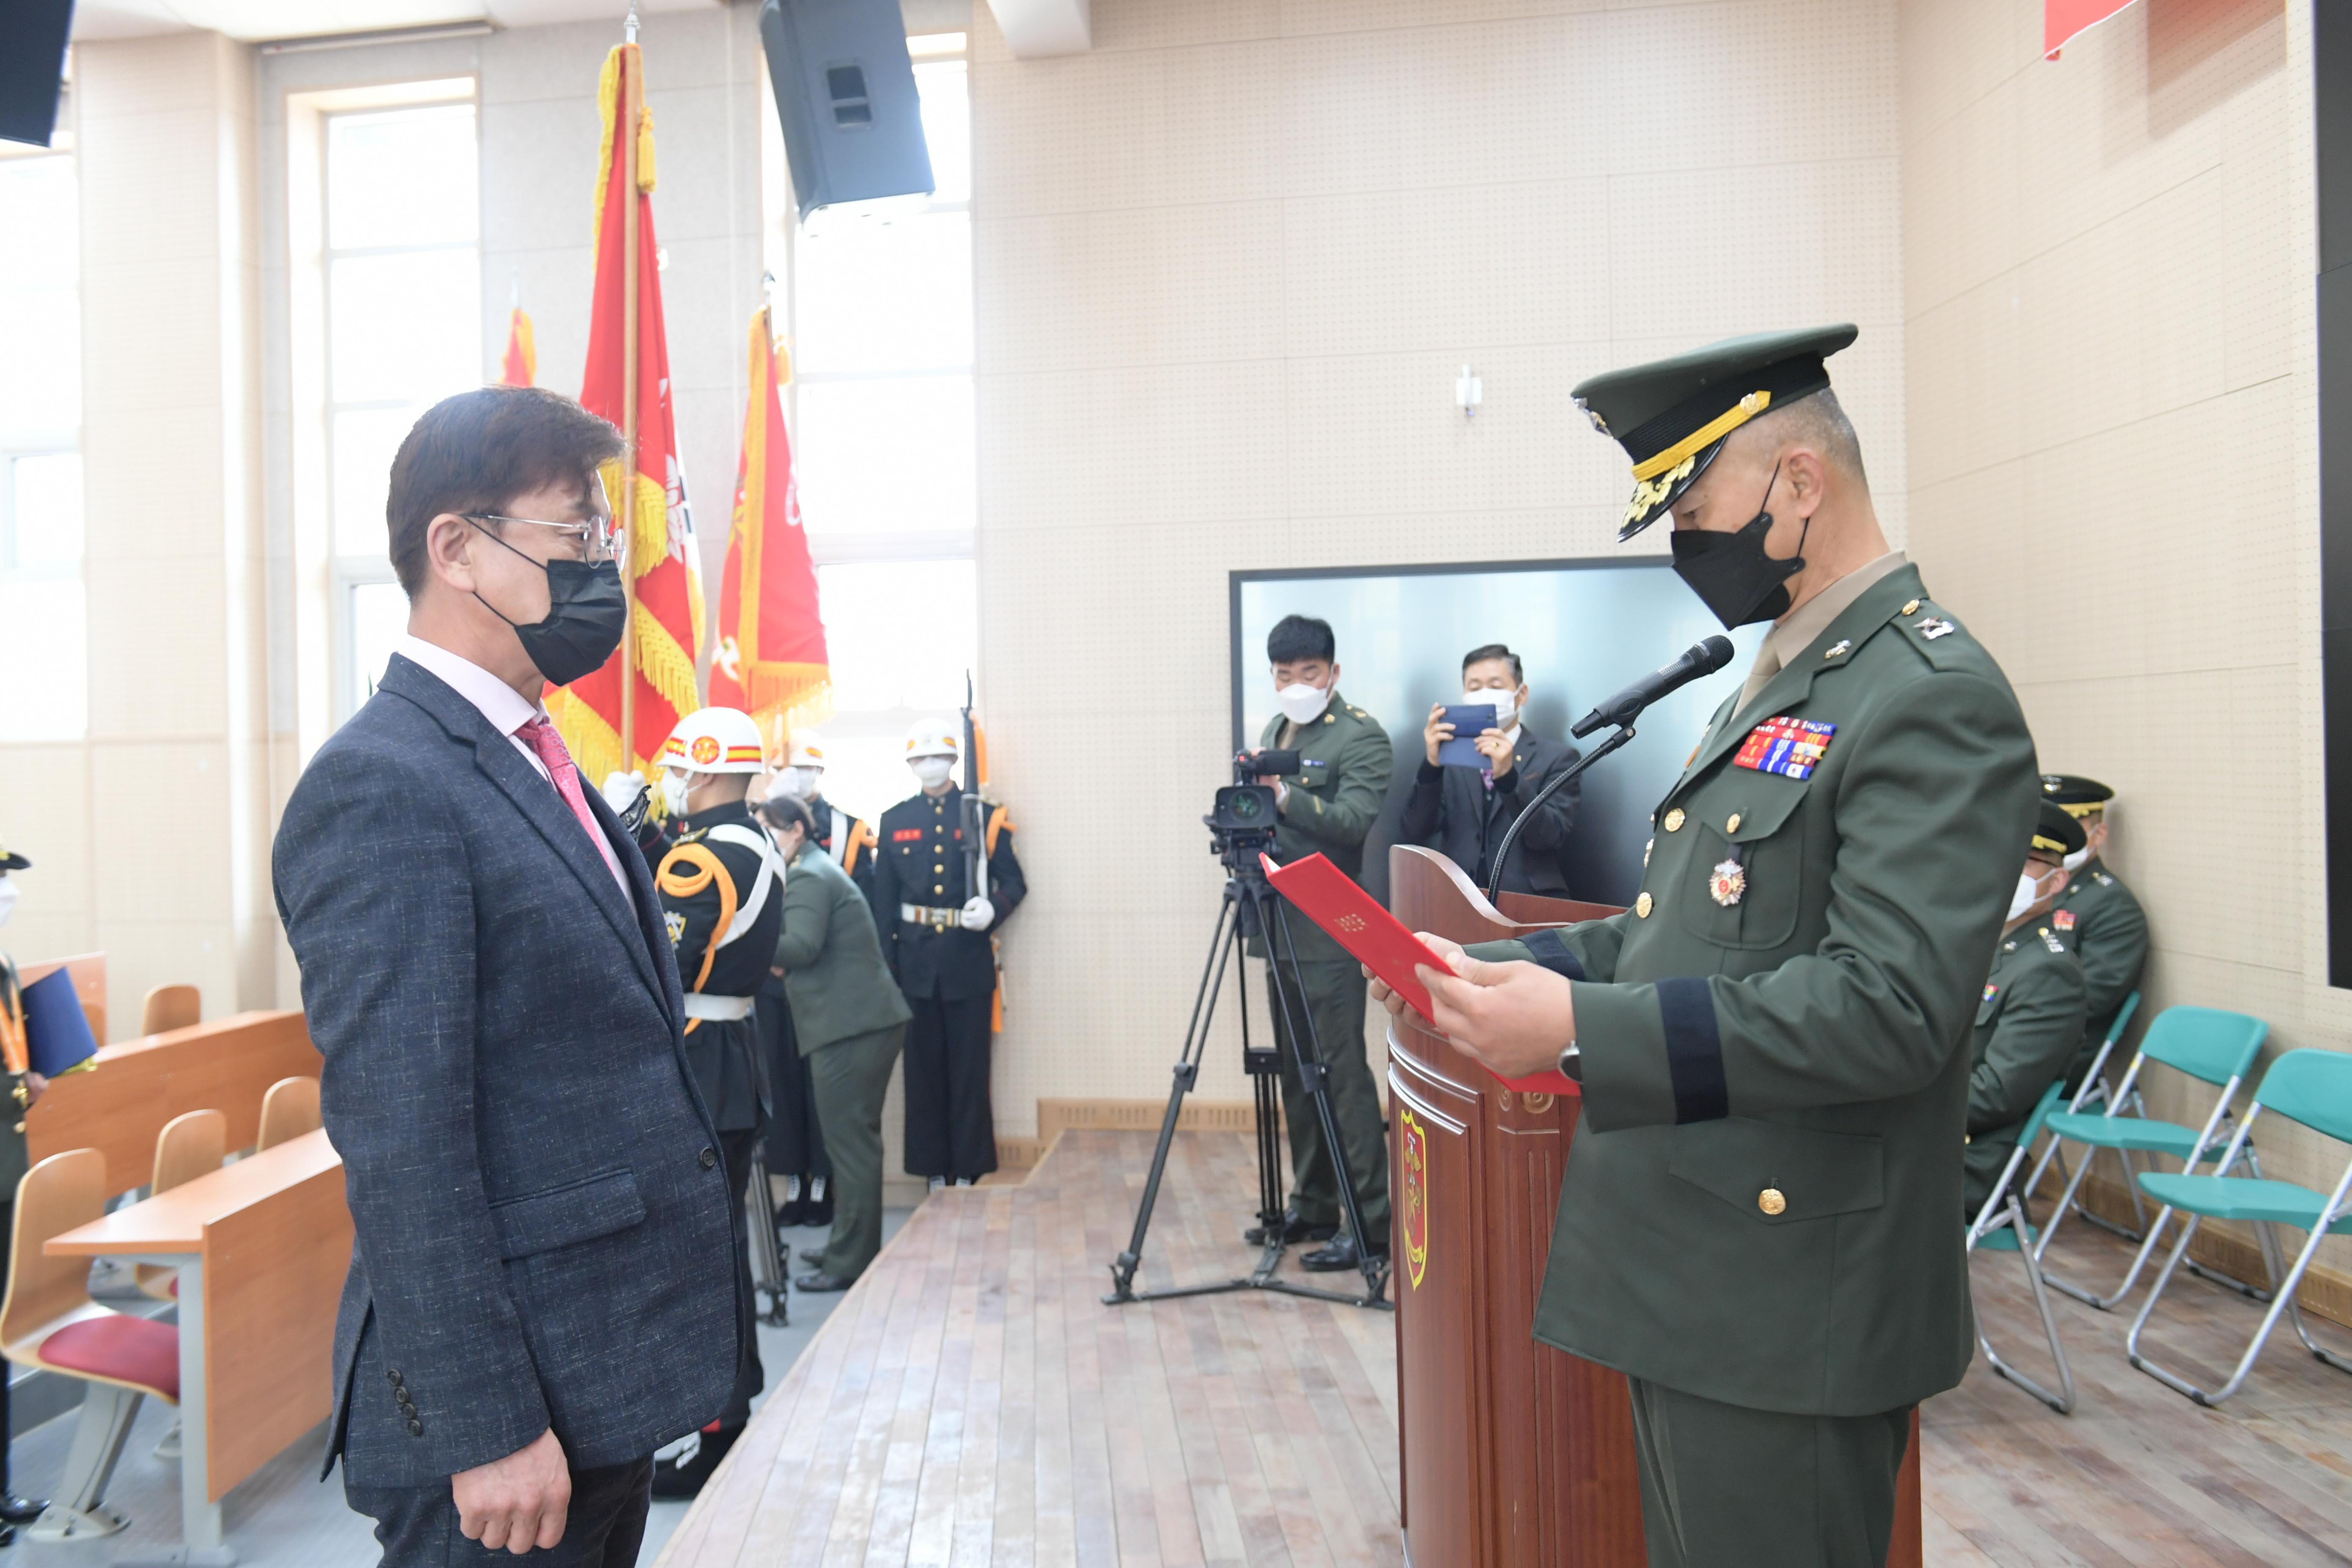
x: 1513, y: 1453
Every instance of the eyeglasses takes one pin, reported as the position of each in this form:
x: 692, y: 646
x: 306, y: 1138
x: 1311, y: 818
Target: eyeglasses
x: 594, y: 536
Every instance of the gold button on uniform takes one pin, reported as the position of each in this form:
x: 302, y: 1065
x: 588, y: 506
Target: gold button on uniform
x: 1731, y: 825
x: 1675, y: 820
x: 1641, y: 907
x: 1770, y: 1201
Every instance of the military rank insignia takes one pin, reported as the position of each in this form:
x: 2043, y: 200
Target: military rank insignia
x: 1790, y: 747
x: 2062, y: 919
x: 1727, y: 883
x: 1931, y: 628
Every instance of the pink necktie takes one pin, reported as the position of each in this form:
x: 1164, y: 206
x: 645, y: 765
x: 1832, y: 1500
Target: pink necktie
x: 541, y: 737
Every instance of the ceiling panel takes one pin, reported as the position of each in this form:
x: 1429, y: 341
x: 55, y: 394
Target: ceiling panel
x: 254, y: 19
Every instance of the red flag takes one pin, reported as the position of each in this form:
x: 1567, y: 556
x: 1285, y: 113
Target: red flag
x: 2063, y: 19
x: 521, y: 362
x: 771, y: 660
x: 667, y: 624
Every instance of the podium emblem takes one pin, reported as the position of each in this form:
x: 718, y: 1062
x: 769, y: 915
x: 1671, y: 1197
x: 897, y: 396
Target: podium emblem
x: 1414, y: 1138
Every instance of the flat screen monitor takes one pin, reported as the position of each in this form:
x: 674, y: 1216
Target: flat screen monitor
x: 1582, y: 628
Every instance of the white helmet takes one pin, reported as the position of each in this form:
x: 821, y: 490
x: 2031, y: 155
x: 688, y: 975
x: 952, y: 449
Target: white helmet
x: 808, y: 750
x: 934, y: 738
x: 715, y: 740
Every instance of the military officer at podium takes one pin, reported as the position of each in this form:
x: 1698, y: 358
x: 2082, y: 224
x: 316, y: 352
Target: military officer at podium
x: 2096, y: 914
x: 1755, y: 1225
x: 2031, y: 1017
x: 945, y: 961
x: 722, y: 899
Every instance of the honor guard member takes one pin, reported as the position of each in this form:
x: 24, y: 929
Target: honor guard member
x: 946, y: 963
x: 2098, y: 915
x: 2030, y: 1020
x: 24, y: 1089
x: 1756, y: 1221
x: 721, y: 885
x: 1344, y: 763
x: 796, y: 1151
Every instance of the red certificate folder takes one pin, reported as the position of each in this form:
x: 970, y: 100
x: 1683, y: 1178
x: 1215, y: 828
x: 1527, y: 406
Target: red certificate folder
x: 1379, y: 941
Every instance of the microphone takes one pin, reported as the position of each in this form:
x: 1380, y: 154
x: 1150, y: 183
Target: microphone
x: 1700, y: 659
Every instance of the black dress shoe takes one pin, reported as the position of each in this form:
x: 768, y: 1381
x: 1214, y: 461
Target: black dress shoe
x: 1294, y: 1230
x: 14, y: 1509
x: 679, y: 1477
x: 821, y: 1283
x: 820, y: 1215
x: 1341, y: 1253
x: 7, y: 1535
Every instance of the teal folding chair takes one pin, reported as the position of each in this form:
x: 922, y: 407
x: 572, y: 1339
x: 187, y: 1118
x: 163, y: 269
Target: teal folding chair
x: 2313, y: 1087
x: 2093, y: 1091
x: 2001, y: 1226
x: 2205, y: 1043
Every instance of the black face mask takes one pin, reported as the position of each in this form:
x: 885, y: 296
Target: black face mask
x: 586, y: 613
x: 1730, y: 572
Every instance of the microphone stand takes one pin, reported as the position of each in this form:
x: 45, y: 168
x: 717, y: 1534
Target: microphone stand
x: 1510, y: 835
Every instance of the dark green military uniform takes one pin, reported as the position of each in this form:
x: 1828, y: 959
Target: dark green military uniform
x: 2028, y: 1026
x: 849, y: 1022
x: 1345, y: 759
x: 1756, y: 1222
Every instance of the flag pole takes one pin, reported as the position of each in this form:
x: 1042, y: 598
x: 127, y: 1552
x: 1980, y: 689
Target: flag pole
x: 626, y: 126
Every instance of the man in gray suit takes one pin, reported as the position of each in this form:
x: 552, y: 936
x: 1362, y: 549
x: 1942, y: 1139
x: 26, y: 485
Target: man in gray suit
x: 849, y: 1019
x: 542, y: 1288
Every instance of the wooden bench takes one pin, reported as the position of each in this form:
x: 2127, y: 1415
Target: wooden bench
x: 262, y: 1246
x: 227, y: 1065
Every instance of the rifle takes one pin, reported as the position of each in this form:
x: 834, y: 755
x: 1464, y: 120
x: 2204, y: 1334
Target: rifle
x: 972, y: 811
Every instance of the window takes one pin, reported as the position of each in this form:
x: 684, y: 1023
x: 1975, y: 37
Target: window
x: 901, y: 636
x: 404, y: 279
x: 884, y: 437
x: 44, y: 616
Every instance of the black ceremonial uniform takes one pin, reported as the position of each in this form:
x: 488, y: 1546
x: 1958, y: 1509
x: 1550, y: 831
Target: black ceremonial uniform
x: 722, y: 899
x: 796, y: 1141
x: 948, y: 973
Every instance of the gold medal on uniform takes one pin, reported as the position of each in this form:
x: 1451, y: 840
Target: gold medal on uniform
x: 1727, y: 883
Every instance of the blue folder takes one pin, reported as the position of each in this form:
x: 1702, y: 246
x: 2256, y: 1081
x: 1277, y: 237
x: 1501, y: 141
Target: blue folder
x: 1470, y: 721
x: 57, y: 1031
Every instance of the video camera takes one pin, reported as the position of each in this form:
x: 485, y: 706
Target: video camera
x: 1243, y: 819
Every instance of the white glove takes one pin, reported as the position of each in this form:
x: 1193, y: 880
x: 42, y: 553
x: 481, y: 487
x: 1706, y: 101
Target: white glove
x: 621, y: 790
x: 978, y: 915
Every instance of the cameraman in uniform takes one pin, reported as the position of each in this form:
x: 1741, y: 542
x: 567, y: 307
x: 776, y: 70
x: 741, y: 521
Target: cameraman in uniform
x: 1344, y: 763
x: 722, y: 899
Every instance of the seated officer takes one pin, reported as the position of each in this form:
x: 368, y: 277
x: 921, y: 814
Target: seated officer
x: 2096, y: 913
x: 15, y: 1063
x: 721, y: 885
x: 1464, y: 812
x: 2031, y: 1019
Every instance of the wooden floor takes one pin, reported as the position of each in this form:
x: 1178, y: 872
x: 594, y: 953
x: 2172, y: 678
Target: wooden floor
x: 973, y: 1401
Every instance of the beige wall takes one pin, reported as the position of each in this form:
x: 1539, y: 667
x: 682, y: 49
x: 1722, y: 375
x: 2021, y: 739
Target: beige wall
x: 2108, y: 274
x: 1229, y: 264
x: 150, y: 838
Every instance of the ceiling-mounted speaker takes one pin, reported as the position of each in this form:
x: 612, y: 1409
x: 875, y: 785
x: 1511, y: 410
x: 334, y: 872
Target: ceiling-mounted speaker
x: 33, y: 35
x: 845, y: 93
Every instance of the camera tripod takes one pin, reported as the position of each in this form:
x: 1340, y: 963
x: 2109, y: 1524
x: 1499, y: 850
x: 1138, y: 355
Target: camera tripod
x: 1249, y: 901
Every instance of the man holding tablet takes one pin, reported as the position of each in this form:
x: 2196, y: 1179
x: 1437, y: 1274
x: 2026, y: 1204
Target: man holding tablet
x: 1756, y: 1223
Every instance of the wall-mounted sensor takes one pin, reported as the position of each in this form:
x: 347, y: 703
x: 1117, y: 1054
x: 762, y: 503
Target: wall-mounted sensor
x: 1468, y: 391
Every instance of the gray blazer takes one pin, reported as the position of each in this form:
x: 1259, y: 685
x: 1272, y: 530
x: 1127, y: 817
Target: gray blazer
x: 834, y: 978
x: 545, y: 1233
